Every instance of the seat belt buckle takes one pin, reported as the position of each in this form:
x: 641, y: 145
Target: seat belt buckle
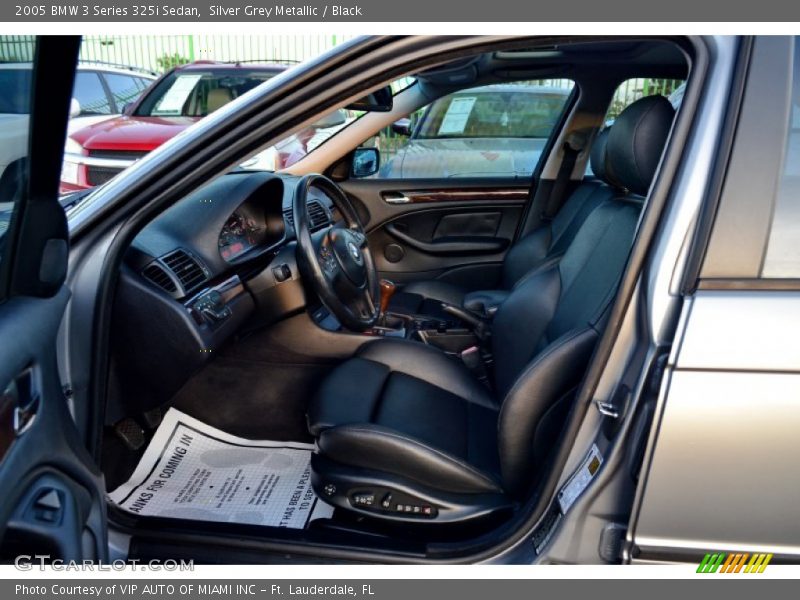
x: 473, y: 359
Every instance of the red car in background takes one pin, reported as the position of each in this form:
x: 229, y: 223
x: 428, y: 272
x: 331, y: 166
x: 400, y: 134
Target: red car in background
x: 180, y: 98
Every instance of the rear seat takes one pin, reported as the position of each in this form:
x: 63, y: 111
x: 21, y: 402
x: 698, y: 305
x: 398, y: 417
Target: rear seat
x: 542, y: 245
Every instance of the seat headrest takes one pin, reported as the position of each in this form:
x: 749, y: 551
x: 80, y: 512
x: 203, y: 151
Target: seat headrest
x: 635, y: 143
x: 599, y: 155
x: 217, y: 98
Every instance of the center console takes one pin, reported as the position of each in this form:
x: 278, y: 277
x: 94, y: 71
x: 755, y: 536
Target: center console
x: 451, y: 335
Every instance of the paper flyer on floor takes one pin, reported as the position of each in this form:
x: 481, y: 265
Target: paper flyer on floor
x: 191, y: 470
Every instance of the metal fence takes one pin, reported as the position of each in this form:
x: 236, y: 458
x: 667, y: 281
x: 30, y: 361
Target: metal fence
x: 634, y: 89
x: 157, y: 53
x: 160, y: 52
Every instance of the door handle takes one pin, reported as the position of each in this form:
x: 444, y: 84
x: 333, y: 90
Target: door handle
x: 396, y: 199
x: 24, y: 416
x: 26, y: 399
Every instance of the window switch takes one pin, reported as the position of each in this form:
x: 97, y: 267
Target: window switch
x: 282, y: 273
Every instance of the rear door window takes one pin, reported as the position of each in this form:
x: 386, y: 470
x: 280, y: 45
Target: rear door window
x: 90, y: 94
x: 15, y: 84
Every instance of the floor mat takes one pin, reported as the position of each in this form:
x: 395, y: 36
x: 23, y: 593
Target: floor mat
x: 252, y: 399
x: 191, y: 470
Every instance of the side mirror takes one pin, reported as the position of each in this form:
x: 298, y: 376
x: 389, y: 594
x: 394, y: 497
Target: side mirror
x: 366, y: 162
x: 74, y: 108
x: 402, y: 127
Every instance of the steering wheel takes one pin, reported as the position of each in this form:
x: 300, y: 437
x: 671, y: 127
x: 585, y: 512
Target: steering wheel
x: 336, y: 260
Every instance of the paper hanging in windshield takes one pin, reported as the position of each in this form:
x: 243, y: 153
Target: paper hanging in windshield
x: 457, y: 115
x: 171, y: 103
x: 191, y: 470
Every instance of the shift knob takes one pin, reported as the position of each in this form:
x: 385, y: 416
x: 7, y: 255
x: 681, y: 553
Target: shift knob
x: 387, y: 291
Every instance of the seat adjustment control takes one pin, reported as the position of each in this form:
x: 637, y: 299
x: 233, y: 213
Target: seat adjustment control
x: 365, y: 499
x: 391, y: 502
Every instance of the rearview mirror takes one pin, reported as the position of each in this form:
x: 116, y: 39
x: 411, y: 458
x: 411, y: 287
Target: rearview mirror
x: 402, y: 127
x: 378, y: 101
x: 366, y: 162
x: 74, y: 108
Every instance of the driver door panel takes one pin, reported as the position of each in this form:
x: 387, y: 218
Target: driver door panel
x: 454, y: 230
x: 52, y: 503
x: 53, y: 500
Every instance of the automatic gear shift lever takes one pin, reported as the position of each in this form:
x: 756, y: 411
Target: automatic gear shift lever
x: 388, y: 289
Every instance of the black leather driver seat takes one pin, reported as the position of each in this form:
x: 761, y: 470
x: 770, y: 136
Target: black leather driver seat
x: 550, y: 239
x: 405, y: 432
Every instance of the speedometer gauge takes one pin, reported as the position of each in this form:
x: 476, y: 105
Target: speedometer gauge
x: 239, y: 234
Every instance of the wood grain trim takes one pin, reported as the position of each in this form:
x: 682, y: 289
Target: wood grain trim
x: 463, y: 195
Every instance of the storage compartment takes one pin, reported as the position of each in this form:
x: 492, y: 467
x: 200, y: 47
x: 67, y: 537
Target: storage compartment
x: 453, y: 341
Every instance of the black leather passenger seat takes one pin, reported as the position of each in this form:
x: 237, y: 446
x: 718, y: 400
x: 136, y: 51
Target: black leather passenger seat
x: 548, y: 241
x: 406, y: 433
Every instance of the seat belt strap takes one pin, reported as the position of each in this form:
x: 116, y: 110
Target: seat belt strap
x: 572, y: 147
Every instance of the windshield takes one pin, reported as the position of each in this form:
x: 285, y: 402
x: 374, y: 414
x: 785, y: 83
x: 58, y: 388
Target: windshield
x: 15, y: 87
x: 197, y: 93
x: 297, y: 146
x: 522, y: 113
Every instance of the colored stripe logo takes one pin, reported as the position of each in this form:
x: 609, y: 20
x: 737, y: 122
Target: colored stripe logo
x: 741, y: 562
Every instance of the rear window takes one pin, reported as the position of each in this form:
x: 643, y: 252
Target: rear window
x: 484, y: 113
x: 15, y: 85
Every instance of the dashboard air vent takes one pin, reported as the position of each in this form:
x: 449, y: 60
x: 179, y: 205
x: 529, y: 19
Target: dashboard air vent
x: 156, y: 274
x: 186, y: 268
x: 317, y: 215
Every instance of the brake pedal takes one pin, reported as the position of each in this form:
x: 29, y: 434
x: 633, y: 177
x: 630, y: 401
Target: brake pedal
x: 130, y: 432
x: 152, y: 418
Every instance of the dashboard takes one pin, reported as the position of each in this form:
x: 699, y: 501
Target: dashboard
x: 220, y: 258
x: 229, y: 223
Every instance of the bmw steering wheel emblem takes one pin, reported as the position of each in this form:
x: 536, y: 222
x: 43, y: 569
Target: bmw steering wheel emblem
x: 354, y: 252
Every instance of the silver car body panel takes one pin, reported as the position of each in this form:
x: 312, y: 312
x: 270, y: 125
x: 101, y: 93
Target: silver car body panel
x: 729, y: 431
x: 720, y: 469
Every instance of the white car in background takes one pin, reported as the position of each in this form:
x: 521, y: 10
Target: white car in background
x: 100, y: 92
